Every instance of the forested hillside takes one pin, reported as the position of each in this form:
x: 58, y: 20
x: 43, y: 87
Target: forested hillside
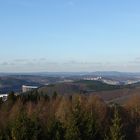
x: 78, y: 117
x: 81, y: 86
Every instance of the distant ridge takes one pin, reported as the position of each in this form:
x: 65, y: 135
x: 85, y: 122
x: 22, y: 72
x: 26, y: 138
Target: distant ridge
x: 71, y: 73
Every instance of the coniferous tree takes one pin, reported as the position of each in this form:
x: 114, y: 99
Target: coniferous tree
x: 23, y: 128
x: 116, y: 129
x: 54, y: 96
x: 92, y: 131
x: 55, y: 130
x: 11, y: 96
x: 77, y: 124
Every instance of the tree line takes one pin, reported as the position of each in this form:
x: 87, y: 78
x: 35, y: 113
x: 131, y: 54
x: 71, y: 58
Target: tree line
x: 35, y: 116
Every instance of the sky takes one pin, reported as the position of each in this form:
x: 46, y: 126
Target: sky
x: 69, y: 35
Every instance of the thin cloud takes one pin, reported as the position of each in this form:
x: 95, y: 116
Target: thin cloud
x: 42, y: 64
x: 4, y: 63
x: 135, y: 61
x: 20, y: 60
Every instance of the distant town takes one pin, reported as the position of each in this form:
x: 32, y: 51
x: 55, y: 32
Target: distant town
x: 20, y: 83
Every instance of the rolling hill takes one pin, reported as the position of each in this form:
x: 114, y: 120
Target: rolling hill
x: 81, y: 86
x: 108, y: 92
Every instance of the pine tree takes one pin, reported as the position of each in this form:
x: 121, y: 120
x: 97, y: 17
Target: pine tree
x: 23, y: 128
x: 54, y: 96
x: 116, y: 130
x: 72, y: 131
x: 92, y: 131
x: 77, y: 123
x: 55, y: 130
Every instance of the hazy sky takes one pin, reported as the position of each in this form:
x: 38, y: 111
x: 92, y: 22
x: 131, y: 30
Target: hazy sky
x: 69, y: 35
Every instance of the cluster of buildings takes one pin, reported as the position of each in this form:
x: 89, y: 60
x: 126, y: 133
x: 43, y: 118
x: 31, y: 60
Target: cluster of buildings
x: 92, y: 78
x: 4, y: 96
x: 24, y: 89
x: 28, y: 88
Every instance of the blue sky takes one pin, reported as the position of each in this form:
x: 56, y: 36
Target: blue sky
x: 69, y: 35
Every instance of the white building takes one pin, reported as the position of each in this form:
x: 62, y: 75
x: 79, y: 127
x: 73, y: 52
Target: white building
x: 28, y: 88
x: 93, y: 78
x: 4, y: 96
